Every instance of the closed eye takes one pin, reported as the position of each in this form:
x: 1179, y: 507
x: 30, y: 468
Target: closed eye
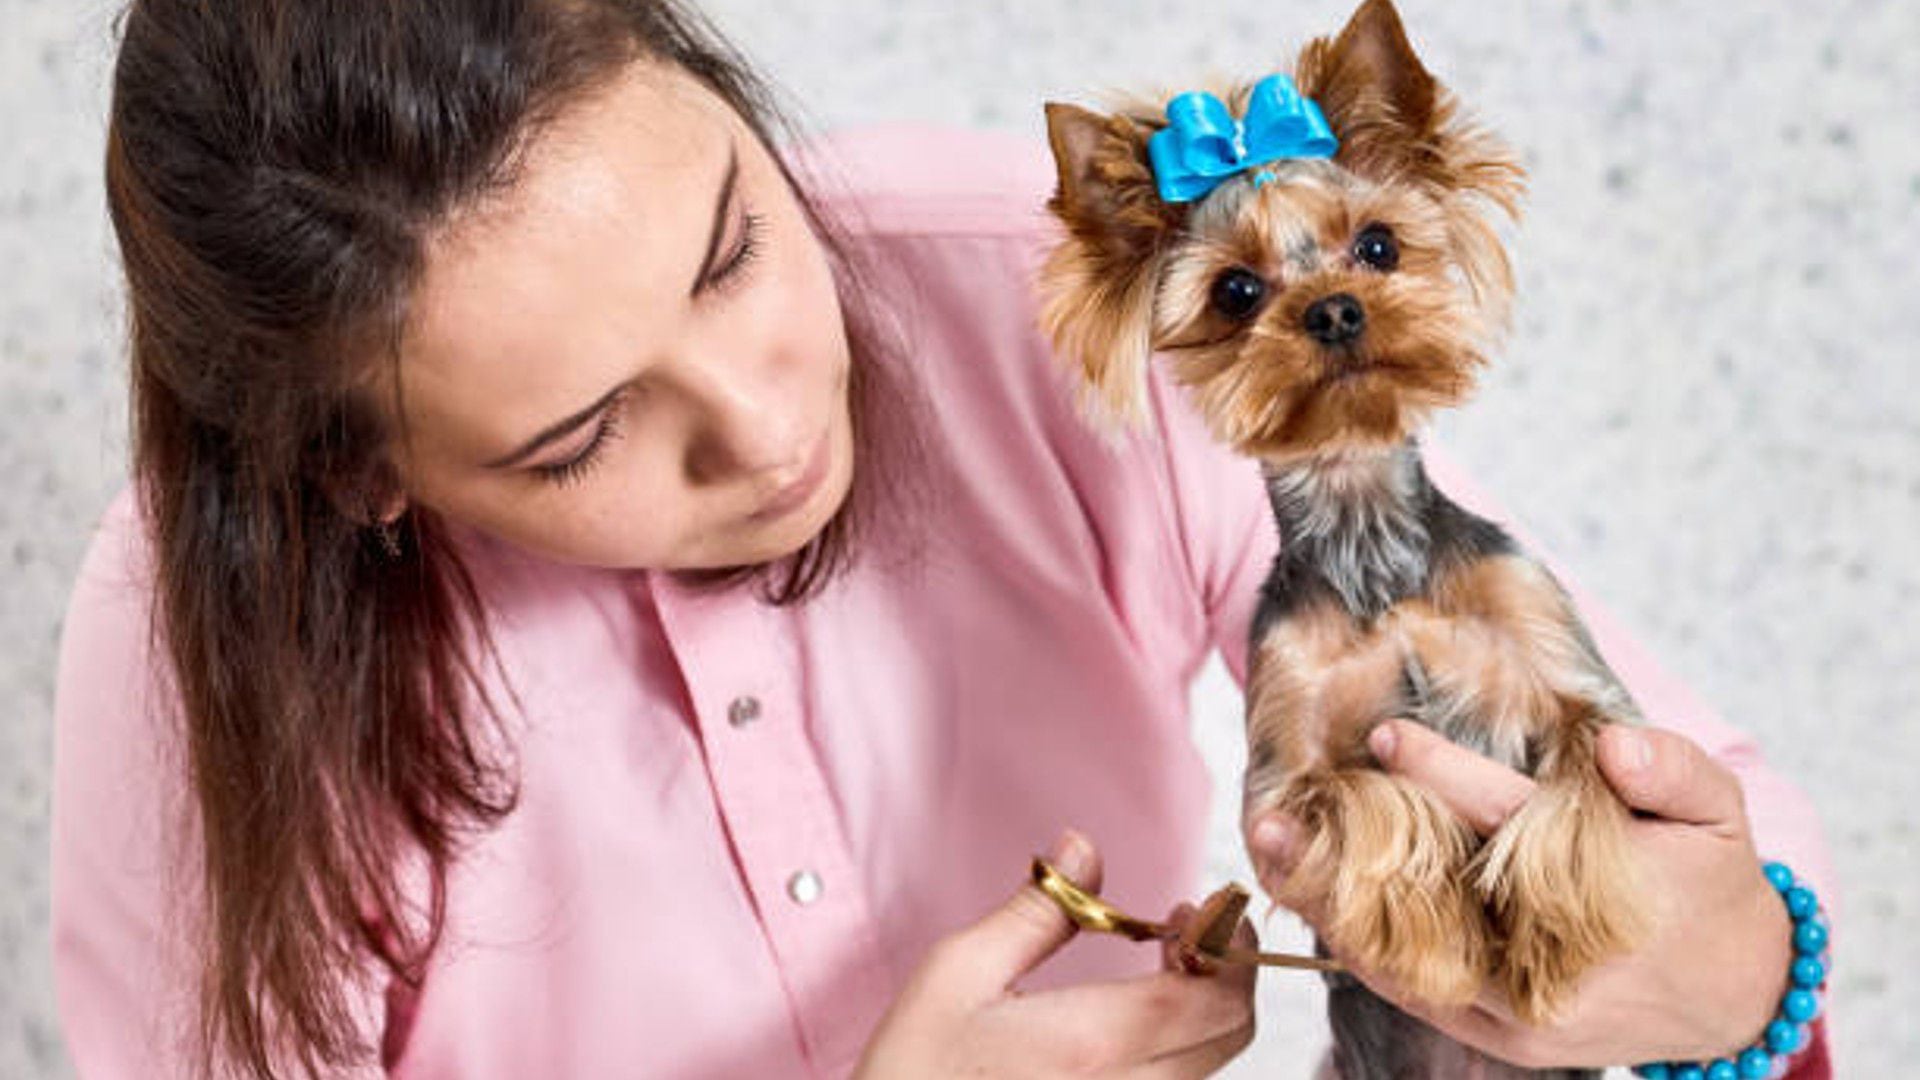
x: 574, y: 468
x: 742, y: 255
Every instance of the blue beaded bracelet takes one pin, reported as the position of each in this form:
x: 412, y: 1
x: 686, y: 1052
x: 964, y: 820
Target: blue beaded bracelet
x: 1798, y: 1006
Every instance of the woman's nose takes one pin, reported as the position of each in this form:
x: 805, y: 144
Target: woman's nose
x: 742, y: 424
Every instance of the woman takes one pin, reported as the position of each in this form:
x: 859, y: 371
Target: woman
x: 597, y: 599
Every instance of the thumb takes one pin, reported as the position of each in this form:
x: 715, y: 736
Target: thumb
x: 1669, y: 775
x: 1015, y: 937
x: 1273, y: 845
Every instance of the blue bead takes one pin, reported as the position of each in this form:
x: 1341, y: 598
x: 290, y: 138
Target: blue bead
x: 1779, y: 876
x: 1801, y: 903
x: 1654, y: 1070
x: 1799, y: 1006
x: 1784, y: 1037
x: 1722, y: 1069
x: 1808, y: 972
x: 1689, y: 1072
x: 1755, y: 1063
x: 1809, y: 938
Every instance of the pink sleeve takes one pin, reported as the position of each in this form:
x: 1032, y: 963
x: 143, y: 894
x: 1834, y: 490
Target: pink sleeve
x: 1815, y: 1062
x: 1222, y: 519
x: 125, y: 866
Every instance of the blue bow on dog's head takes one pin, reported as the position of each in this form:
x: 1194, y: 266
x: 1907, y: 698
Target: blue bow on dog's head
x: 1203, y: 144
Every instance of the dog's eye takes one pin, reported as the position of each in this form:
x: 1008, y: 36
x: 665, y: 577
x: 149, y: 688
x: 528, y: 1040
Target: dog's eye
x: 1237, y: 293
x: 1376, y: 247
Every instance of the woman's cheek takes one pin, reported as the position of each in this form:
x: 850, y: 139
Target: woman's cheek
x: 613, y: 517
x: 637, y: 518
x: 808, y: 323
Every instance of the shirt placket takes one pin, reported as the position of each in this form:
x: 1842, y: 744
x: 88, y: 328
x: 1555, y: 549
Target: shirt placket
x: 743, y: 676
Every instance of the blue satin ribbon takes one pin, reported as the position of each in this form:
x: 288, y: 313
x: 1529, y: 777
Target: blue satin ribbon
x: 1203, y: 144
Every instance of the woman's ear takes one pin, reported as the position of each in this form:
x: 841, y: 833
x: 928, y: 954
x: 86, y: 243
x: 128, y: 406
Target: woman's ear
x: 387, y: 510
x: 1097, y: 286
x: 371, y: 498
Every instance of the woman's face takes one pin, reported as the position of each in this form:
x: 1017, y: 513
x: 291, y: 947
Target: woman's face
x: 635, y: 357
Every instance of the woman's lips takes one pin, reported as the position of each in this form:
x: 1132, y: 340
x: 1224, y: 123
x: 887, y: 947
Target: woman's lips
x: 796, y: 494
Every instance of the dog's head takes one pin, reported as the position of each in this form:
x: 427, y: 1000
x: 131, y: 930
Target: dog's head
x: 1308, y: 304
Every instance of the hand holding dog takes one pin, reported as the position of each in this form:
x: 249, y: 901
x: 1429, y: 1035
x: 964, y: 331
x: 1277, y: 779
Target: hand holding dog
x: 1708, y: 979
x: 959, y: 1015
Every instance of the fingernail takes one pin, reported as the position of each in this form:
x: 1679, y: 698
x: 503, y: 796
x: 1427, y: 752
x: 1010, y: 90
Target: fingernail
x: 1632, y: 750
x: 1071, y: 854
x: 1274, y: 837
x: 1381, y: 741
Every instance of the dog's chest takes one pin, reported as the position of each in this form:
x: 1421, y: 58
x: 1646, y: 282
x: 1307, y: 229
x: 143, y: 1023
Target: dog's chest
x: 1351, y: 607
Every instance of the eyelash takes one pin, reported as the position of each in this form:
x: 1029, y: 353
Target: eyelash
x: 577, y: 466
x: 743, y: 254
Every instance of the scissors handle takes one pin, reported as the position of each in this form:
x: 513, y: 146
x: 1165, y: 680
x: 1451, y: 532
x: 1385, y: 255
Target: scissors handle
x: 1209, y: 933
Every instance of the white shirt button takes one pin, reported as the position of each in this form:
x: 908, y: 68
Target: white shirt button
x: 805, y: 887
x: 743, y: 711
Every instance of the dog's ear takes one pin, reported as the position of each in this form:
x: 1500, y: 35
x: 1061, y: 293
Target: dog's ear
x: 1394, y: 120
x: 1397, y: 124
x: 1097, y: 287
x: 1106, y: 191
x: 1379, y: 98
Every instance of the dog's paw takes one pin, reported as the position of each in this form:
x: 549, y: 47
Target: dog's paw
x: 1383, y: 873
x: 1560, y: 884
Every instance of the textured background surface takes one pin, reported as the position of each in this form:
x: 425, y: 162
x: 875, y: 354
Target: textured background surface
x: 1708, y: 411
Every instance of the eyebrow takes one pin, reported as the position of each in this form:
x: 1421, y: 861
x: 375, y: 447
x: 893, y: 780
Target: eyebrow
x: 565, y: 426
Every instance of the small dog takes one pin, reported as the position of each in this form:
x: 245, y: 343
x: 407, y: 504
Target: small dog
x: 1317, y: 307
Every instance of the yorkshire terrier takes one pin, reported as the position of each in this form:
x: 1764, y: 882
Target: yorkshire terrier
x: 1316, y: 306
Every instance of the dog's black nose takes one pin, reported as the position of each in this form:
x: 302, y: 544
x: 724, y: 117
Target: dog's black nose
x: 1336, y: 319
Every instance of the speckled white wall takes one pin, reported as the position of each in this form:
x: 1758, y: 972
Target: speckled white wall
x: 1708, y: 411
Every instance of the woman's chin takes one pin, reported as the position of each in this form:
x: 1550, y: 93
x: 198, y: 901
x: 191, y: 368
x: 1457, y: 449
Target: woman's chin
x: 786, y: 534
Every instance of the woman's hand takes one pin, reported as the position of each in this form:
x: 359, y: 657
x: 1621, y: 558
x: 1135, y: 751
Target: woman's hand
x: 959, y: 1015
x: 1709, y: 977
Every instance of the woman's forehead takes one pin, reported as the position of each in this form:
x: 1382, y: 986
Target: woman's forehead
x: 561, y: 284
x: 651, y: 124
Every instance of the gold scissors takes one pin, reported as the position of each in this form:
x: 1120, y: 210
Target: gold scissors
x: 1208, y: 934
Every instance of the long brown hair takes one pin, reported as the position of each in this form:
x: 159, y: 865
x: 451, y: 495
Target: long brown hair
x: 271, y: 170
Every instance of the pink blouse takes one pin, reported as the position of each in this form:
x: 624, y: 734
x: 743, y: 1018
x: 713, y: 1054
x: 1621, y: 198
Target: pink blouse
x: 741, y: 826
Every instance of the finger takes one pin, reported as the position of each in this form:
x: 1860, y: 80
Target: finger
x: 1176, y: 956
x: 1172, y: 956
x: 1203, y: 1060
x: 1274, y: 844
x: 1125, y: 1023
x: 1487, y: 1024
x: 1472, y: 1025
x: 1194, y: 946
x: 1243, y: 976
x: 1274, y: 841
x: 1482, y: 791
x: 1484, y: 1025
x: 1668, y: 774
x: 1014, y: 938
